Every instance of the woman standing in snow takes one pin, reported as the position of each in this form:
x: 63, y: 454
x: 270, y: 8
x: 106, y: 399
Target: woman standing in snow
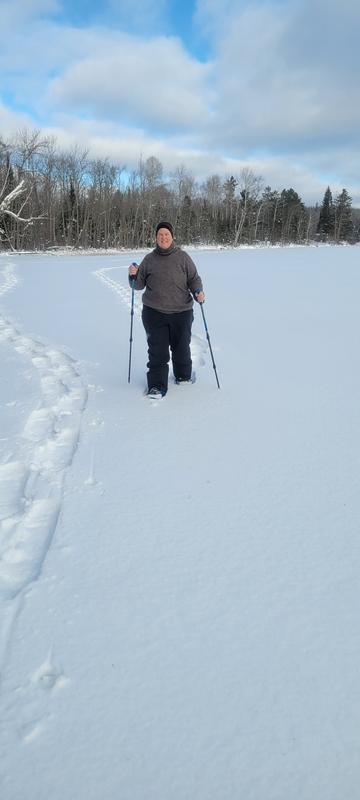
x: 171, y: 281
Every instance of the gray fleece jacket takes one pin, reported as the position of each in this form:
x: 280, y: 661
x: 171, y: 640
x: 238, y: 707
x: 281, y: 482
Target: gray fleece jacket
x: 169, y: 278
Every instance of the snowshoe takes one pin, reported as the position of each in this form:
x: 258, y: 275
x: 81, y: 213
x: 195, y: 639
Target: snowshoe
x: 155, y: 394
x: 186, y: 382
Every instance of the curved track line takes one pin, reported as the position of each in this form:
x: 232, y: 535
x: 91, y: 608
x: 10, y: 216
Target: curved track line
x: 31, y: 484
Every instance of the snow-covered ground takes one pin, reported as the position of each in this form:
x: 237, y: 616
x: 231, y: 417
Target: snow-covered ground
x: 179, y: 583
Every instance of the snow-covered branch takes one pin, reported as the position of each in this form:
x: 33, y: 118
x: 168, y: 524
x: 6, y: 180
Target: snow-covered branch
x: 19, y: 189
x: 6, y: 202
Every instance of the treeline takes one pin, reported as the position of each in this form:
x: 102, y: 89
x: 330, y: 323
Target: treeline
x: 50, y: 198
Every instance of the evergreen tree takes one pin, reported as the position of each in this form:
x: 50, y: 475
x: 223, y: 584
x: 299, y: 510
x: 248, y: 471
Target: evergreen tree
x: 326, y: 224
x: 292, y: 219
x: 229, y: 189
x: 344, y: 226
x: 268, y: 213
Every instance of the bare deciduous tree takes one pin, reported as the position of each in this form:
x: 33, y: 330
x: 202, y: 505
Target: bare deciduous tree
x: 52, y: 198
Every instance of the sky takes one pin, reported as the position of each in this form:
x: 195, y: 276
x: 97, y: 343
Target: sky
x: 214, y: 86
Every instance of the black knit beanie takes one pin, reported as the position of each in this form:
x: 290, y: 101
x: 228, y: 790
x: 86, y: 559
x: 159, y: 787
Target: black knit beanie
x: 167, y: 225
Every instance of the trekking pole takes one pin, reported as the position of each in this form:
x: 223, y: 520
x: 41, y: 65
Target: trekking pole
x: 133, y: 279
x: 210, y: 348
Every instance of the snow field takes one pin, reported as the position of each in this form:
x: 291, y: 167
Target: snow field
x: 189, y: 627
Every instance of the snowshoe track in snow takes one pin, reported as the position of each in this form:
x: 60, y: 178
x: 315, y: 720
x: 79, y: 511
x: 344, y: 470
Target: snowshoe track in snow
x: 198, y: 349
x: 32, y: 478
x: 8, y: 279
x: 124, y: 292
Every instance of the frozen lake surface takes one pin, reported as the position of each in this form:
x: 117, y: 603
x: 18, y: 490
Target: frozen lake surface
x: 179, y: 583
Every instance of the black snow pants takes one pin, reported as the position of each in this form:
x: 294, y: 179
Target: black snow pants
x: 165, y: 332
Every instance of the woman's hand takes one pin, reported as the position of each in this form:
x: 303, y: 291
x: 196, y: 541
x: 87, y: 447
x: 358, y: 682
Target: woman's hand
x: 200, y: 297
x: 133, y: 270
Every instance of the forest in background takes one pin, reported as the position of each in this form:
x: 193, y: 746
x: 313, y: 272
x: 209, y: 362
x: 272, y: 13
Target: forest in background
x: 50, y: 198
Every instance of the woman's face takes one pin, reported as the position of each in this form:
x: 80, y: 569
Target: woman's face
x: 164, y: 238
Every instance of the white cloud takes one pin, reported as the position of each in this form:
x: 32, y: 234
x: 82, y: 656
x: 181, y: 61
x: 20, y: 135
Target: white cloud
x: 280, y: 95
x: 12, y: 121
x: 287, y: 73
x: 18, y: 12
x: 154, y: 82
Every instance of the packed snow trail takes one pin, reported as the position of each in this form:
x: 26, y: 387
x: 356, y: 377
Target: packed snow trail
x: 32, y: 477
x: 193, y: 630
